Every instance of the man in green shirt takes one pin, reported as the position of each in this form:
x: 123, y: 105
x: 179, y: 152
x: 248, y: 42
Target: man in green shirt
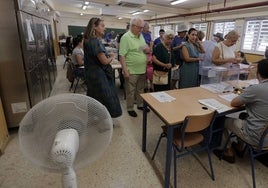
x: 133, y: 57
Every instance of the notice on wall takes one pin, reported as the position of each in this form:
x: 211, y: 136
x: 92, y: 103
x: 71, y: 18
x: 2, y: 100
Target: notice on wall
x: 19, y: 107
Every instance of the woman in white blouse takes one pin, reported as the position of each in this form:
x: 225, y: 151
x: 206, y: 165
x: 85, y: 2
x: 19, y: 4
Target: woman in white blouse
x: 224, y: 53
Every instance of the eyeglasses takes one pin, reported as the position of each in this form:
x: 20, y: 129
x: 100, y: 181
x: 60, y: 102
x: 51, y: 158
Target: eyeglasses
x: 139, y: 27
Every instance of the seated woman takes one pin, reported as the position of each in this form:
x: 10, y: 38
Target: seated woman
x: 78, y: 57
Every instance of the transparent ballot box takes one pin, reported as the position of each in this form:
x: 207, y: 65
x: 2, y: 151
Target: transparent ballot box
x: 217, y: 74
x: 215, y: 78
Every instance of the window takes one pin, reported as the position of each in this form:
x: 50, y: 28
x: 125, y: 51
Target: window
x: 223, y: 27
x: 167, y: 27
x: 256, y: 36
x: 201, y: 27
x: 156, y: 32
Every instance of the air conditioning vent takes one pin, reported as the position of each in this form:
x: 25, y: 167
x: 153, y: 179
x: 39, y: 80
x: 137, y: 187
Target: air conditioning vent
x: 131, y: 3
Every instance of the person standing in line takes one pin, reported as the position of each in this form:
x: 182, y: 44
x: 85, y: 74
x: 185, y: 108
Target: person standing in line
x: 147, y: 35
x: 160, y: 38
x: 209, y: 46
x: 206, y: 63
x: 189, y: 71
x: 163, y: 60
x: 149, y: 67
x: 121, y: 76
x: 224, y: 53
x: 177, y: 44
x: 98, y: 71
x: 133, y: 52
x: 109, y: 36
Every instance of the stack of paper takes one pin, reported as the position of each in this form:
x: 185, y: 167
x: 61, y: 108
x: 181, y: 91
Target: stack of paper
x: 213, y: 104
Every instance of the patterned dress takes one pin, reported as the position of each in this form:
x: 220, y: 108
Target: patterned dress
x: 189, y: 71
x: 99, y: 77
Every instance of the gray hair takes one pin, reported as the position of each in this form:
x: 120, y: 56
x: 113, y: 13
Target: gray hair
x: 134, y: 20
x: 169, y: 33
x: 232, y: 35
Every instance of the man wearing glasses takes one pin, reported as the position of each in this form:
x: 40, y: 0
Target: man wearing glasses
x: 133, y: 57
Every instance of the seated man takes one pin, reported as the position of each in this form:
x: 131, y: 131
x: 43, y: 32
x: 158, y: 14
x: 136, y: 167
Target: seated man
x: 255, y: 99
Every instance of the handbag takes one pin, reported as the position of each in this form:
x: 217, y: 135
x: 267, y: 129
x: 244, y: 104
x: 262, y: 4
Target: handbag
x: 175, y: 73
x: 160, y: 77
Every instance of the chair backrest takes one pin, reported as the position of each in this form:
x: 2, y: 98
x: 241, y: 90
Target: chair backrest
x: 69, y: 73
x: 195, y: 123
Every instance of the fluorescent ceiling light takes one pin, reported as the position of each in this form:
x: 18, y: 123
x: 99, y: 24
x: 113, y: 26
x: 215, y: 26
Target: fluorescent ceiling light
x: 120, y: 18
x: 177, y: 2
x: 135, y: 13
x: 86, y: 3
x: 84, y: 7
x: 146, y: 10
x: 81, y: 14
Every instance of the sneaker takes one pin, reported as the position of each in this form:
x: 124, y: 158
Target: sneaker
x: 220, y: 154
x: 141, y: 108
x: 132, y: 113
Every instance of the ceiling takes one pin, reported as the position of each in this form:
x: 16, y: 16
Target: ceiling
x: 110, y: 8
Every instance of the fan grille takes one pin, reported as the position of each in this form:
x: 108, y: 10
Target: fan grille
x: 84, y: 114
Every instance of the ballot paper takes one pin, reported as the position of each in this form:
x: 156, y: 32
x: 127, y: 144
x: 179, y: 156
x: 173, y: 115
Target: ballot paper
x: 218, y: 87
x: 213, y: 104
x: 162, y: 96
x: 229, y: 97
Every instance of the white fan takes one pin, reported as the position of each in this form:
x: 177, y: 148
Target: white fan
x: 65, y: 131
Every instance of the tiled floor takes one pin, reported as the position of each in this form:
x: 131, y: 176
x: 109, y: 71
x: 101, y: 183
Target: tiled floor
x: 123, y: 164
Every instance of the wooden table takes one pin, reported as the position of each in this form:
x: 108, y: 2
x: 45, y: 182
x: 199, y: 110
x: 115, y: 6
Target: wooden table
x: 173, y: 114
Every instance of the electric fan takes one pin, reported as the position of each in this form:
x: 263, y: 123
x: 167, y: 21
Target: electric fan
x: 64, y: 132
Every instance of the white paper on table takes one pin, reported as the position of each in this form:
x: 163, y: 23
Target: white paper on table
x: 213, y: 104
x: 229, y: 97
x: 243, y: 66
x: 218, y: 87
x: 162, y: 96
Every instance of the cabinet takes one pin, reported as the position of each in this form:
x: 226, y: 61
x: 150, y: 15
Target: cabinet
x: 3, y: 130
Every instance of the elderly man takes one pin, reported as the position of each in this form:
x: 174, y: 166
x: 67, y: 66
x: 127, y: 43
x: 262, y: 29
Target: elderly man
x: 249, y: 127
x: 133, y: 52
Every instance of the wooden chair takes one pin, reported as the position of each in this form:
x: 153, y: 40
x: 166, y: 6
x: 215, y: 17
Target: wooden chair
x: 254, y: 150
x: 188, y: 135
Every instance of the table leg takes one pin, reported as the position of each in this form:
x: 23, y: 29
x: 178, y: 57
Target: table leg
x: 144, y: 127
x: 168, y: 155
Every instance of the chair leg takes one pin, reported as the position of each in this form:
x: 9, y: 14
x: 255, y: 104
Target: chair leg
x: 157, y: 145
x: 210, y: 164
x: 71, y: 85
x: 252, y: 166
x: 76, y: 84
x: 175, y: 166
